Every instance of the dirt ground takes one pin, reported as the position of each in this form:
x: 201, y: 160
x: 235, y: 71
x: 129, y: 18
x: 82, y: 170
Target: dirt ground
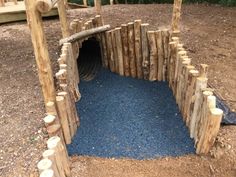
x: 209, y: 35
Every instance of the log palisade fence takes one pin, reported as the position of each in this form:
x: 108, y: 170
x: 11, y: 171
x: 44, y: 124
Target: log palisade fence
x: 131, y: 50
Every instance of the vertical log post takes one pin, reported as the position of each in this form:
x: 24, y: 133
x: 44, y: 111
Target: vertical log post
x: 50, y: 154
x: 47, y: 173
x: 2, y: 3
x: 131, y: 46
x: 110, y: 52
x: 119, y: 51
x: 138, y: 48
x: 160, y: 55
x: 115, y: 55
x: 63, y: 19
x: 85, y: 3
x: 124, y: 38
x: 165, y: 42
x: 145, y: 51
x: 153, y: 55
x: 98, y: 6
x: 176, y: 15
x: 44, y: 164
x: 41, y: 51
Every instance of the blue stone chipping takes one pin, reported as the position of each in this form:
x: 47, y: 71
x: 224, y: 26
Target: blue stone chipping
x: 122, y: 117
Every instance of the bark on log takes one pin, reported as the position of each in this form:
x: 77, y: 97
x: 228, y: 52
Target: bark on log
x: 160, y: 50
x: 114, y: 48
x: 145, y: 51
x: 110, y: 52
x: 45, y: 6
x: 132, y: 58
x: 153, y: 55
x: 119, y: 51
x: 85, y: 33
x: 176, y: 15
x: 124, y: 38
x: 165, y: 41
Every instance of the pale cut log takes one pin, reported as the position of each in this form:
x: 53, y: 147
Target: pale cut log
x: 138, y: 48
x: 84, y: 34
x: 175, y: 39
x: 47, y: 173
x: 51, y: 108
x: 61, y: 76
x: 44, y: 164
x: 41, y: 51
x: 115, y: 54
x: 145, y: 51
x: 160, y: 55
x: 175, y: 33
x: 61, y: 155
x: 2, y: 3
x: 188, y: 105
x: 54, y: 130
x: 214, y: 118
x: 201, y: 83
x: 153, y: 55
x: 45, y: 6
x: 62, y: 66
x: 124, y: 38
x: 98, y: 6
x: 203, y: 70
x: 50, y: 154
x: 75, y: 46
x: 85, y: 2
x: 110, y: 52
x: 61, y: 104
x: 176, y: 15
x: 173, y: 58
x: 119, y: 51
x: 49, y: 120
x: 70, y: 112
x: 63, y: 19
x: 131, y: 48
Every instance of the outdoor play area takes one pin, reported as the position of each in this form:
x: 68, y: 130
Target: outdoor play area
x: 117, y: 89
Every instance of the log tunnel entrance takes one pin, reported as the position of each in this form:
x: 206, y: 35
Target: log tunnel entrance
x: 123, y: 116
x: 89, y: 61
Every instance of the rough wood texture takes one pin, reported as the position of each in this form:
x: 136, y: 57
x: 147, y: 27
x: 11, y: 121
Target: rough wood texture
x: 44, y: 164
x: 119, y: 51
x: 160, y: 50
x: 132, y: 63
x: 63, y: 20
x: 44, y: 6
x: 153, y: 55
x: 124, y: 38
x: 61, y: 155
x: 138, y: 48
x: 145, y: 51
x: 61, y: 104
x: 165, y: 42
x: 85, y: 2
x: 114, y: 48
x: 41, y: 51
x: 98, y: 6
x: 176, y: 15
x: 110, y: 53
x: 84, y: 34
x: 173, y: 57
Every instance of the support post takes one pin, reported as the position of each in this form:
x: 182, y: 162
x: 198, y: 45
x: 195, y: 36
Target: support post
x: 63, y: 20
x: 176, y: 15
x: 98, y: 6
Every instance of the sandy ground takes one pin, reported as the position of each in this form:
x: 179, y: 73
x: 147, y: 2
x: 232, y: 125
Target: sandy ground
x: 209, y: 35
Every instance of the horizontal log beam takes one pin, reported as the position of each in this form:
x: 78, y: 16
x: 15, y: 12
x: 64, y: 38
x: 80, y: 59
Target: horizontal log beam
x: 84, y: 34
x: 45, y: 6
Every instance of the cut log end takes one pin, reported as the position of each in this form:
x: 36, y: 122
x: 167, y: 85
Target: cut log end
x: 216, y: 112
x: 47, y: 173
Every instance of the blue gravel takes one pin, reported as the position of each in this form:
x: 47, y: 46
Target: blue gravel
x: 126, y: 117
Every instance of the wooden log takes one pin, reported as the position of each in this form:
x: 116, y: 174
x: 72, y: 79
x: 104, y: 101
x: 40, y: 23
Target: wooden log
x: 47, y: 173
x: 75, y: 46
x: 119, y: 51
x: 49, y: 120
x: 85, y: 2
x: 51, y: 108
x: 131, y: 49
x: 211, y: 130
x: 124, y: 38
x: 110, y: 52
x: 70, y: 112
x: 2, y: 3
x: 176, y: 15
x: 201, y: 83
x: 160, y: 51
x: 98, y: 6
x: 54, y: 130
x: 61, y: 155
x: 63, y: 19
x: 165, y: 41
x: 84, y: 34
x: 61, y: 75
x: 61, y: 104
x: 45, y: 6
x: 138, y: 48
x: 111, y: 2
x: 153, y: 55
x: 44, y: 164
x: 175, y: 33
x: 41, y: 51
x: 115, y: 54
x: 189, y: 101
x: 173, y: 58
x: 145, y: 51
x: 50, y: 154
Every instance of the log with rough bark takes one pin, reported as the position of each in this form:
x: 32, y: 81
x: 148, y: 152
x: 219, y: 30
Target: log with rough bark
x: 124, y: 38
x: 119, y: 51
x: 61, y: 155
x: 61, y: 104
x: 173, y: 58
x: 110, y: 53
x: 115, y: 54
x: 98, y: 6
x: 145, y: 51
x: 50, y: 154
x: 165, y: 42
x: 44, y: 164
x: 160, y: 55
x: 153, y: 55
x: 2, y: 3
x: 176, y: 15
x: 85, y: 33
x: 45, y: 6
x: 138, y: 48
x: 131, y: 47
x: 63, y: 19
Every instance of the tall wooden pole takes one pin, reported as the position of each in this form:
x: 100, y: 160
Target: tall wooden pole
x: 63, y: 20
x: 41, y: 51
x: 176, y: 16
x: 98, y: 6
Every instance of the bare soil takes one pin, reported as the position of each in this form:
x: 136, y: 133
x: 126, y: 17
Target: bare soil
x: 208, y: 34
